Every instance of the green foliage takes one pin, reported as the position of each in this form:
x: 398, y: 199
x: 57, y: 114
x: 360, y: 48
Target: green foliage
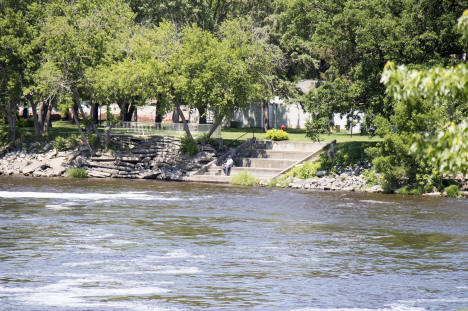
x: 371, y: 177
x: 244, y: 179
x: 408, y: 190
x: 272, y: 182
x: 352, y: 40
x: 25, y: 122
x: 4, y: 136
x: 188, y: 146
x: 316, y: 126
x: 205, y: 140
x: 426, y: 100
x: 346, y: 154
x: 448, y: 151
x: 276, y: 135
x: 284, y: 181
x: 77, y: 173
x: 93, y: 140
x: 306, y: 170
x: 62, y: 144
x: 452, y: 191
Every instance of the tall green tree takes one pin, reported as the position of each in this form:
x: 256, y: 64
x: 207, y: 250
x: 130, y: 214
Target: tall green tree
x: 79, y: 35
x: 18, y: 54
x: 419, y: 144
x: 354, y: 40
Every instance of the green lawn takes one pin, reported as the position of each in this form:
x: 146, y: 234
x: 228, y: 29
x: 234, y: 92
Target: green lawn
x: 66, y: 129
x: 295, y: 135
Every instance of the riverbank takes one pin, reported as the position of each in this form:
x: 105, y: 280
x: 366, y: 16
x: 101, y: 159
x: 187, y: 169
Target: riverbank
x: 135, y: 158
x: 160, y: 158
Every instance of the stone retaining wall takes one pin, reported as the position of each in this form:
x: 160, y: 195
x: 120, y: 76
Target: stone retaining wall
x: 151, y: 158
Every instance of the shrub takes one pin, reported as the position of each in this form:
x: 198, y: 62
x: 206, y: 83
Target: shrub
x: 284, y: 181
x: 188, y: 146
x: 77, y: 173
x: 73, y: 141
x: 409, y: 190
x: 371, y: 177
x: 276, y: 135
x: 4, y: 135
x: 452, y: 191
x: 244, y: 179
x: 272, y: 183
x: 62, y: 144
x: 205, y: 140
x: 346, y: 154
x: 306, y: 170
x: 26, y: 122
x: 93, y: 140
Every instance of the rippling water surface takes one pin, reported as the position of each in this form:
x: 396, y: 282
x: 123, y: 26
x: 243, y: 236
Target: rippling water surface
x: 139, y: 245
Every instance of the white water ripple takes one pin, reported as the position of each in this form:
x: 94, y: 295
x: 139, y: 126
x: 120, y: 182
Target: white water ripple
x: 142, y: 196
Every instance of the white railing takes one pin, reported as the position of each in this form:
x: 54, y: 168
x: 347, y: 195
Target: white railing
x: 169, y: 129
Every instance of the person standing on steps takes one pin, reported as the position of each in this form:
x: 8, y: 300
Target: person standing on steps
x: 228, y: 165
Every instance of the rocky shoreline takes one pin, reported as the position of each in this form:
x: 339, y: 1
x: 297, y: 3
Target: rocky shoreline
x: 138, y: 158
x: 160, y: 158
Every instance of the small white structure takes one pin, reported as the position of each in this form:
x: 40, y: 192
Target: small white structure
x: 291, y: 115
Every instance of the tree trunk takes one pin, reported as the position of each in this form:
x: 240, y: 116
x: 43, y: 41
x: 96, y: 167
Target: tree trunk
x: 37, y: 127
x: 95, y: 113
x: 202, y: 112
x: 76, y: 104
x: 158, y: 116
x: 47, y: 123
x: 175, y: 116
x: 129, y: 112
x: 42, y: 110
x: 126, y: 111
x: 11, y: 116
x: 186, y: 127
x: 266, y: 116
x: 212, y: 129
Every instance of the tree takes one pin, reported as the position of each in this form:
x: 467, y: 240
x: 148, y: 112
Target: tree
x: 426, y: 99
x: 18, y: 29
x: 206, y: 14
x: 354, y: 40
x: 78, y: 36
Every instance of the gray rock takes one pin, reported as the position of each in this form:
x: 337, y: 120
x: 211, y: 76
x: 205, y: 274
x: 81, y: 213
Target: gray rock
x: 32, y: 167
x: 321, y: 173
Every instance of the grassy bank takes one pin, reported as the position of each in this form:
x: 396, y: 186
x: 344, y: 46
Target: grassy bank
x: 297, y: 135
x: 66, y: 129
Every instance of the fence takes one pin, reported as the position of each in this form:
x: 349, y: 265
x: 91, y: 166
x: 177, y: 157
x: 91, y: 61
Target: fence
x: 166, y: 129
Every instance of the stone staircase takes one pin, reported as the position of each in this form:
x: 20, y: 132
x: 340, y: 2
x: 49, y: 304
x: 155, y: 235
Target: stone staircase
x: 264, y: 160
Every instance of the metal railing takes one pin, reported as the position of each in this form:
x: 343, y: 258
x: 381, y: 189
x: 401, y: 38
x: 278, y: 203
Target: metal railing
x: 157, y: 129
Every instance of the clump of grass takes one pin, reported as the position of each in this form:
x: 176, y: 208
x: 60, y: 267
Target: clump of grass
x: 305, y: 171
x: 272, y: 182
x: 408, y: 190
x: 77, y: 173
x: 452, y: 191
x: 284, y: 181
x: 244, y: 179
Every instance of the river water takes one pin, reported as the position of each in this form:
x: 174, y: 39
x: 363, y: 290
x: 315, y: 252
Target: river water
x: 143, y: 245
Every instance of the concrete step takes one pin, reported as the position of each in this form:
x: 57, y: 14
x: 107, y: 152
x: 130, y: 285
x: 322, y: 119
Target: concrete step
x: 214, y: 170
x: 289, y: 146
x: 209, y: 179
x: 257, y: 172
x: 267, y: 163
x: 278, y: 154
